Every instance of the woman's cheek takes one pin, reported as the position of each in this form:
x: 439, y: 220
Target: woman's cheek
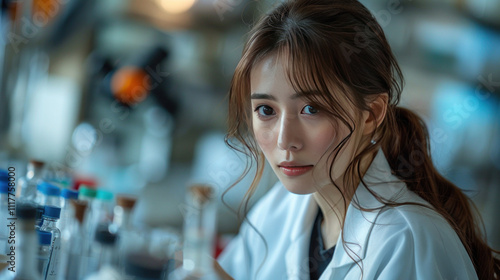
x: 264, y: 136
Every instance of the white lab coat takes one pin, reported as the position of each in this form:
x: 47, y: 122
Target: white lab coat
x: 405, y: 242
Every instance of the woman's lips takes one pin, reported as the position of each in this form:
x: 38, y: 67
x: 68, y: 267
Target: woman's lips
x: 295, y: 170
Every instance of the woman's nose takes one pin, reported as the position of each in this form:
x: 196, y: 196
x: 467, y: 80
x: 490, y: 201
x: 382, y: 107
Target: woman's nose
x: 290, y: 137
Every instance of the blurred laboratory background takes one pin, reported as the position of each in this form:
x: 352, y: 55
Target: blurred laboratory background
x: 130, y: 95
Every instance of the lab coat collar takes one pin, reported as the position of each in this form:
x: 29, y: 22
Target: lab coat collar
x: 356, y: 229
x: 358, y: 223
x: 297, y: 256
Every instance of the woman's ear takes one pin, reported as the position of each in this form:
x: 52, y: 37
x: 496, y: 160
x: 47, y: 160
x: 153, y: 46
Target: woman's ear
x: 378, y: 107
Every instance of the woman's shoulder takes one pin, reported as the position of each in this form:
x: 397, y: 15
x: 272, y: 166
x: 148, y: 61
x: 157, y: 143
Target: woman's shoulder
x: 413, y: 242
x: 414, y: 222
x: 414, y: 219
x: 421, y: 222
x: 396, y: 205
x: 420, y: 239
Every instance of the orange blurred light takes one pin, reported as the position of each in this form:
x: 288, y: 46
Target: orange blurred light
x: 13, y: 10
x: 130, y: 85
x: 43, y: 12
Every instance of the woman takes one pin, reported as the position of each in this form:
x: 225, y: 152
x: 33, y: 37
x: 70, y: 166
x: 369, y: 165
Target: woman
x: 315, y: 94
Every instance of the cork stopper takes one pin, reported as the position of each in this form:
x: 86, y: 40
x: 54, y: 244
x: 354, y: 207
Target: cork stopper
x: 80, y: 207
x: 126, y: 201
x: 201, y: 193
x: 37, y: 163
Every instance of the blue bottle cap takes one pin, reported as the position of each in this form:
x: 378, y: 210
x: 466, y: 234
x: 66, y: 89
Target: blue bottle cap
x: 49, y: 189
x: 44, y: 237
x: 4, y: 175
x: 51, y: 212
x: 39, y: 212
x: 69, y: 194
x: 4, y: 181
x: 4, y: 187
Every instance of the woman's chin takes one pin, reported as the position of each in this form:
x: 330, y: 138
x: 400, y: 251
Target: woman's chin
x: 298, y: 189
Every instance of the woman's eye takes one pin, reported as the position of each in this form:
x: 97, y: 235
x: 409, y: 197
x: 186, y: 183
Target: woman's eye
x: 264, y: 110
x: 310, y: 110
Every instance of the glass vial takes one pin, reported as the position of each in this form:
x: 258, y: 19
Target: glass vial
x: 199, y: 234
x: 26, y: 243
x: 50, y: 217
x: 43, y: 256
x: 28, y: 184
x: 75, y: 247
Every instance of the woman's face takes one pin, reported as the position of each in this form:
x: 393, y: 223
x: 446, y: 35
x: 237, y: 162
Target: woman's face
x: 295, y: 137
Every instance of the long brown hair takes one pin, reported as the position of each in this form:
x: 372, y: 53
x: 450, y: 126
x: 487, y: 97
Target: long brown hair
x: 337, y: 48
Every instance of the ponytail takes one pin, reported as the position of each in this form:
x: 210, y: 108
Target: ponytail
x: 405, y: 142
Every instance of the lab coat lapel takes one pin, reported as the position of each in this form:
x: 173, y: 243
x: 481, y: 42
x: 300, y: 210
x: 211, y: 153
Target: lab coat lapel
x: 358, y: 223
x: 356, y: 233
x: 297, y: 255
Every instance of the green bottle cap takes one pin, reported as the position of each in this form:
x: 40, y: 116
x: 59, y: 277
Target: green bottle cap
x: 87, y: 192
x: 104, y: 195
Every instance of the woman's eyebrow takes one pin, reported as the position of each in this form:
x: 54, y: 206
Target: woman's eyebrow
x: 303, y: 94
x: 262, y: 96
